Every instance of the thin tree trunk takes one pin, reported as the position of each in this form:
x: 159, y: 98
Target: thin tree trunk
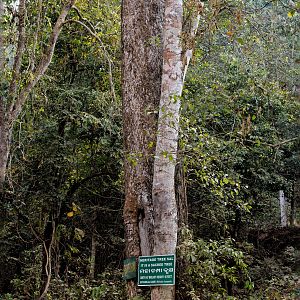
x: 141, y: 79
x: 293, y: 207
x: 181, y: 196
x: 283, y: 214
x: 93, y: 255
x: 49, y: 236
x: 163, y: 192
x: 295, y: 201
x: 5, y: 135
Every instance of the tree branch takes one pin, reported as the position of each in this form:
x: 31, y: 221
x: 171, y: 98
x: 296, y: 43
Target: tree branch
x: 275, y: 145
x: 190, y: 35
x: 84, y: 19
x: 15, y: 108
x: 77, y: 184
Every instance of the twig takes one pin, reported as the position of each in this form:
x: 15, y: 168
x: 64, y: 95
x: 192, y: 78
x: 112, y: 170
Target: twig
x: 275, y: 145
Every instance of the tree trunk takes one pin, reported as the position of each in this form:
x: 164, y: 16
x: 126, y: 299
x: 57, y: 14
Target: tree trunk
x: 5, y: 135
x: 49, y: 236
x: 149, y: 186
x: 163, y: 192
x: 283, y: 214
x: 295, y: 201
x: 293, y: 207
x: 93, y: 255
x: 141, y: 80
x: 181, y: 196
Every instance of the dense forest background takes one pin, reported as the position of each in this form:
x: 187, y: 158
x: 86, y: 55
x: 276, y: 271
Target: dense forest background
x: 61, y: 225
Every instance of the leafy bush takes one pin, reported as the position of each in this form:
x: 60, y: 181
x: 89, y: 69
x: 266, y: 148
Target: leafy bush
x: 108, y: 286
x: 212, y: 268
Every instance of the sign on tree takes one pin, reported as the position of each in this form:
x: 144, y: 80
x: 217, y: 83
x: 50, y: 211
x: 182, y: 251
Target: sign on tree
x: 156, y: 270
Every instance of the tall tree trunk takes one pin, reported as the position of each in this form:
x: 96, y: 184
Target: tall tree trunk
x: 150, y: 211
x: 141, y: 80
x: 163, y: 193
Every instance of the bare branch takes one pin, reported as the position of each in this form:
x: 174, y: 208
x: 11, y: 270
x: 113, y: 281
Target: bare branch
x: 84, y: 19
x: 285, y: 142
x: 15, y: 108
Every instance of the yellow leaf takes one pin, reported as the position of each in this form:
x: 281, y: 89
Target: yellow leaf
x: 70, y: 214
x: 74, y: 207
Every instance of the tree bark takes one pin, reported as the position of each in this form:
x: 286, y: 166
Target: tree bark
x: 141, y: 80
x: 163, y: 192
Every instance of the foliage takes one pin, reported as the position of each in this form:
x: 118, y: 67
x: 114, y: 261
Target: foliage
x: 212, y: 267
x: 274, y: 276
x: 240, y: 123
x: 109, y: 285
x: 239, y: 144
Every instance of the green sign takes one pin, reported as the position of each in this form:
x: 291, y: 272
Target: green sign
x: 129, y: 268
x: 156, y: 270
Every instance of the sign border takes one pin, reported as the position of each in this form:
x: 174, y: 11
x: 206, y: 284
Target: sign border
x: 156, y: 284
x: 129, y: 275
